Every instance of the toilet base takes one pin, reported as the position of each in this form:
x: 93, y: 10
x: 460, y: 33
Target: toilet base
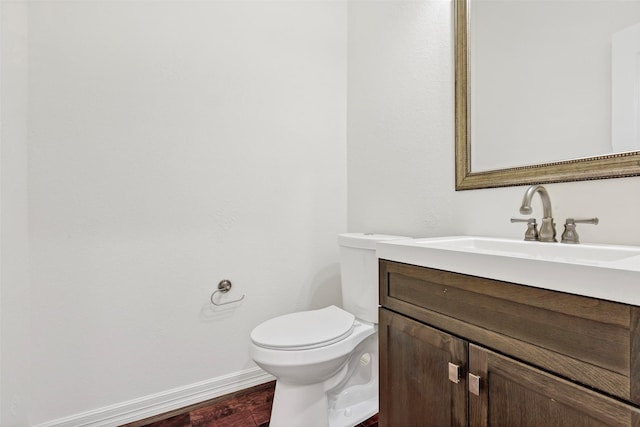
x: 297, y: 405
x: 356, y: 398
x: 344, y: 400
x: 355, y: 414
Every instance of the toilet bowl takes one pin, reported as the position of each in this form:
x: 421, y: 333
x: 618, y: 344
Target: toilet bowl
x: 326, y: 361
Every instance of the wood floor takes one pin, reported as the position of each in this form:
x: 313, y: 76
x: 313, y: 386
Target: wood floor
x: 246, y: 408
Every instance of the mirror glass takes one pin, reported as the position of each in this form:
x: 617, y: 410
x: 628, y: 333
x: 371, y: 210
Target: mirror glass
x: 546, y: 90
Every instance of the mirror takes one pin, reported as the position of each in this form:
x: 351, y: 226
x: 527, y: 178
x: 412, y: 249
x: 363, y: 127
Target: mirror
x: 516, y: 88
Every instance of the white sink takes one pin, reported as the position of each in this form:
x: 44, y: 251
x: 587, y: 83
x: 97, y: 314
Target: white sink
x: 609, y: 272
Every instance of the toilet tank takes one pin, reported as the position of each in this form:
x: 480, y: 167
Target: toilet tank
x: 359, y: 273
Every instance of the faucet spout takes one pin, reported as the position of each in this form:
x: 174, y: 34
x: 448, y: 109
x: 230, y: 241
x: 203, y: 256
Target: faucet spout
x: 548, y: 227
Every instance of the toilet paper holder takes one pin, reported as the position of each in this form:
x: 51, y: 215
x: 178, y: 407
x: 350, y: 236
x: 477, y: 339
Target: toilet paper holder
x: 223, y: 287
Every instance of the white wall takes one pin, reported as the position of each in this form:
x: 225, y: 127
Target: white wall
x: 400, y: 127
x: 14, y: 276
x: 172, y: 145
x: 401, y: 140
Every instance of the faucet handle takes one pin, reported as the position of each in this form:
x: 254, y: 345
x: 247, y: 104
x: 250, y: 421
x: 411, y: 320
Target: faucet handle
x: 570, y: 235
x: 531, y: 234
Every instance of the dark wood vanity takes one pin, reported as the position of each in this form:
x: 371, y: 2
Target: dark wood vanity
x: 459, y: 350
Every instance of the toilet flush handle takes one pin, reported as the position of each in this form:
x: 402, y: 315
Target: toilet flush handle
x: 223, y: 287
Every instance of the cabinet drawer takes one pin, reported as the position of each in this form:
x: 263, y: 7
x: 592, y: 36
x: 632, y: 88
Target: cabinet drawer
x: 592, y: 341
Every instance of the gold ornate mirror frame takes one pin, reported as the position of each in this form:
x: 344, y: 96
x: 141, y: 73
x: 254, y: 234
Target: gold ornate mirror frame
x: 600, y: 167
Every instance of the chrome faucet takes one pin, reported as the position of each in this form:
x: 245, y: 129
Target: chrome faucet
x: 547, y: 231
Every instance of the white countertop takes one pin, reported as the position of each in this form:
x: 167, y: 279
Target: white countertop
x: 610, y: 272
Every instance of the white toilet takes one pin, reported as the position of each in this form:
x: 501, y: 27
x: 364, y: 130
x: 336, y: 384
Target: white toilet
x: 326, y: 361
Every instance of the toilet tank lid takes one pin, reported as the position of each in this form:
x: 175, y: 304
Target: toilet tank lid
x: 365, y: 240
x: 304, y: 330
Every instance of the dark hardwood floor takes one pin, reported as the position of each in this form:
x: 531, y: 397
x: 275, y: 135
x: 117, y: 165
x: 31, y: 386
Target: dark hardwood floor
x: 246, y: 408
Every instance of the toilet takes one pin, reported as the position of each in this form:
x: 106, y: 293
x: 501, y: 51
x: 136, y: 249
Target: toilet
x: 326, y: 361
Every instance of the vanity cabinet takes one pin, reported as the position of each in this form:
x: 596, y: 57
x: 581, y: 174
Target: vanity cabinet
x: 458, y: 350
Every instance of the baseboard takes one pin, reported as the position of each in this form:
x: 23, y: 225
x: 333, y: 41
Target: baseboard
x: 149, y: 406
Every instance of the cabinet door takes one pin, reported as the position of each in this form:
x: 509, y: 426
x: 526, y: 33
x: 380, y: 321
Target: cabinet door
x: 515, y: 394
x: 415, y: 384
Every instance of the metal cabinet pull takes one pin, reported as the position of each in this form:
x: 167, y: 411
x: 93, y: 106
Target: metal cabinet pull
x: 474, y: 384
x: 454, y: 373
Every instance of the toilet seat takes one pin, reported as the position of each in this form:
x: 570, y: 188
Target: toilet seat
x: 304, y: 330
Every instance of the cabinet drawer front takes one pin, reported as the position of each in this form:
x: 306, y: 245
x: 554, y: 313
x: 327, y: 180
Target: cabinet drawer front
x: 579, y: 337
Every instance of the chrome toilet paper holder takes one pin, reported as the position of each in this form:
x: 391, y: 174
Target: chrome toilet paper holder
x: 223, y: 287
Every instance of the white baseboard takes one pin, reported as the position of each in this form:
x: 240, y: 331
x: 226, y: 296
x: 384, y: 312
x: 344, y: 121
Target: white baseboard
x: 155, y: 404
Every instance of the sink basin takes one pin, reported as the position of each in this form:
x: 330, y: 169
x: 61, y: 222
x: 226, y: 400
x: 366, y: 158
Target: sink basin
x: 609, y: 272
